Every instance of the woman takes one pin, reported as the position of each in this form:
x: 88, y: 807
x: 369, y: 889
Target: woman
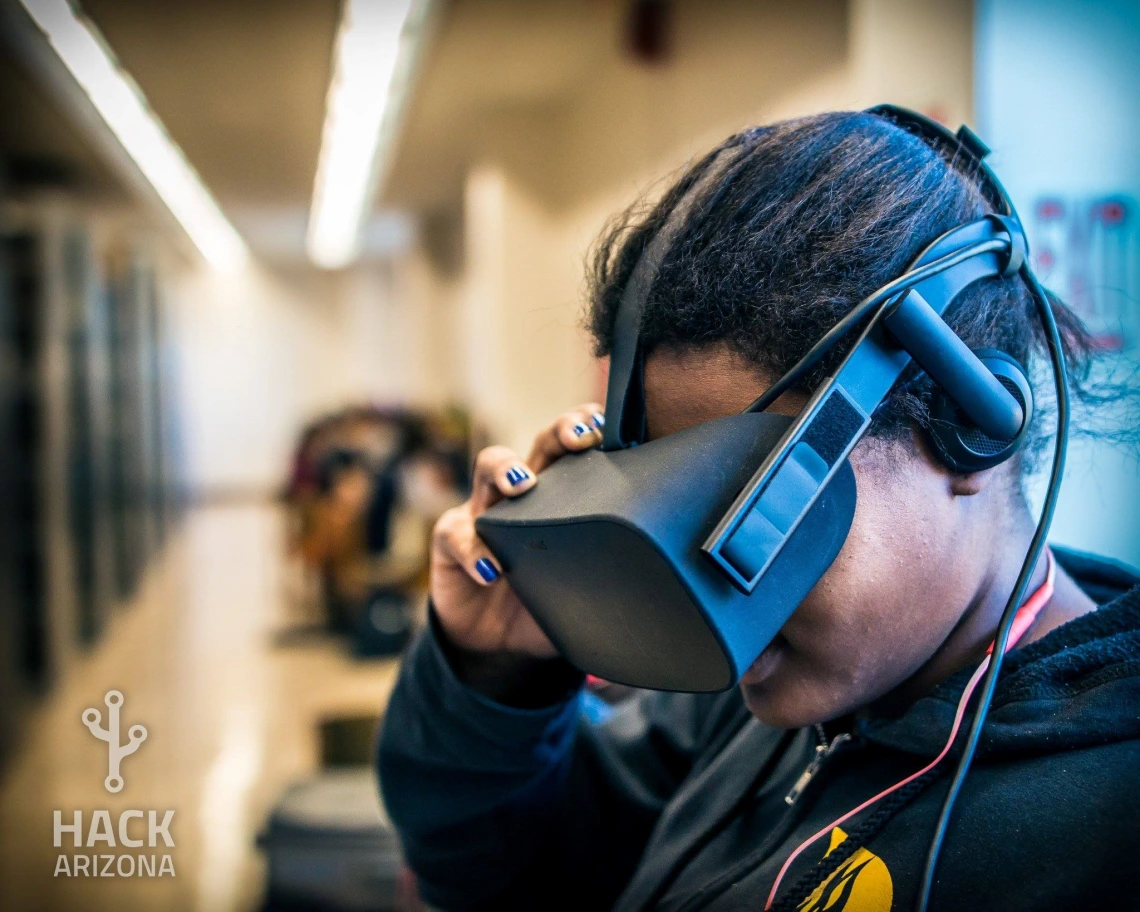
x: 507, y: 799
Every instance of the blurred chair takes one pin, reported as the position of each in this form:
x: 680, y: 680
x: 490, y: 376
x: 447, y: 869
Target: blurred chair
x: 330, y: 847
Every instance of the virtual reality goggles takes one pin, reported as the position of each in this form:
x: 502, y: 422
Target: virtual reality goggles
x: 672, y: 563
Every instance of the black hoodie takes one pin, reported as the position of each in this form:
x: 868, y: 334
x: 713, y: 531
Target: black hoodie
x: 682, y: 801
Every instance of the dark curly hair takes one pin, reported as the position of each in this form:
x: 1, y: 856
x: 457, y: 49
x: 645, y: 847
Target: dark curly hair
x: 811, y: 216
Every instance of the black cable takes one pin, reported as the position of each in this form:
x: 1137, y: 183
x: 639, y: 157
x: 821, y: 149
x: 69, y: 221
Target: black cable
x: 881, y: 297
x: 1036, y: 546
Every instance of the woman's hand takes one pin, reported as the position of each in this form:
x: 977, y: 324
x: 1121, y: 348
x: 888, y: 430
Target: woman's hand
x: 479, y: 612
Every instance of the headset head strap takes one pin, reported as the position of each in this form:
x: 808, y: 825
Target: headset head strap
x: 625, y: 397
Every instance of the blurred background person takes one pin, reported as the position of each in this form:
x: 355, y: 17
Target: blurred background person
x: 367, y: 486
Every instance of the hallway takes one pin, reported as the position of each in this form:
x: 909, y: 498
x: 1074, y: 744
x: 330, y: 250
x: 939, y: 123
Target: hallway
x: 231, y: 720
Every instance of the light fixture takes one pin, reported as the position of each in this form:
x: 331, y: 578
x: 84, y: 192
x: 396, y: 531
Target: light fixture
x: 126, y: 112
x: 370, y: 76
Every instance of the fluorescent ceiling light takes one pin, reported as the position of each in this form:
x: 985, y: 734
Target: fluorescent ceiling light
x: 126, y: 112
x: 369, y: 75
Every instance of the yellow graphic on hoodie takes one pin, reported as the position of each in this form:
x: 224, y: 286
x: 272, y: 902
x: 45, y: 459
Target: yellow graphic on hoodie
x: 861, y: 884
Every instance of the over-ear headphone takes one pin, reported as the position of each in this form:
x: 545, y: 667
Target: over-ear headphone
x: 956, y: 438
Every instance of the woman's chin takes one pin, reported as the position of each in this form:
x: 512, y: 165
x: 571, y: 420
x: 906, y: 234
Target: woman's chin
x: 766, y: 706
x: 772, y: 693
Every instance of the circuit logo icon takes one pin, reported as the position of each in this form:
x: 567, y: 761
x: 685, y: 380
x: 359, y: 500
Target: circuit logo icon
x: 116, y: 751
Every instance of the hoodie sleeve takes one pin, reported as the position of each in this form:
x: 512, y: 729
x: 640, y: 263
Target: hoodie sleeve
x: 498, y: 806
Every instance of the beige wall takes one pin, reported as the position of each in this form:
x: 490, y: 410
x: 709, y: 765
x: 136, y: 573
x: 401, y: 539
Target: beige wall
x: 917, y: 53
x: 260, y: 352
x: 522, y: 355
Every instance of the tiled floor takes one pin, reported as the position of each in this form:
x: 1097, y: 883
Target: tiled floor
x: 230, y: 719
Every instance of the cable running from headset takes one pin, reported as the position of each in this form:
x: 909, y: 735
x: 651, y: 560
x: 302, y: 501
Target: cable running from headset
x: 1036, y: 546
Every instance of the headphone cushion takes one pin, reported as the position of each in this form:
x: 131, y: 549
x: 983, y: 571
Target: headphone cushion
x: 960, y: 445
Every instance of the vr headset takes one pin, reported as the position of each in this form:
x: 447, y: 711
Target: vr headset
x: 672, y: 563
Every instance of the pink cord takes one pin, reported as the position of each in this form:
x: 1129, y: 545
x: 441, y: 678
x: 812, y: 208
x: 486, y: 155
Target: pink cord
x: 1024, y: 618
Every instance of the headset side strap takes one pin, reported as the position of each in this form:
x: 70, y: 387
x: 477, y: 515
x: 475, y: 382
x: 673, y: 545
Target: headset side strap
x: 625, y: 405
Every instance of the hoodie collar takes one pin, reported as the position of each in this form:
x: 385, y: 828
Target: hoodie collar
x: 1077, y: 686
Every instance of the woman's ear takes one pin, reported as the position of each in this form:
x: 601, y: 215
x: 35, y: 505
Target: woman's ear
x: 974, y: 482
x: 959, y: 485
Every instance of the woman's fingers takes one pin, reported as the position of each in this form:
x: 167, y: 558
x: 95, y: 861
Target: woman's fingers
x: 454, y: 538
x: 577, y: 430
x: 499, y: 472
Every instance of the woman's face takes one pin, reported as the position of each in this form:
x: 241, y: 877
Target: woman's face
x: 912, y: 565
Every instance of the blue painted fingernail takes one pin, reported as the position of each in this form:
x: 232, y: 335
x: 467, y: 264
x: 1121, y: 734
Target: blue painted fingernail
x: 580, y: 429
x: 486, y: 570
x: 516, y: 475
x: 599, y: 420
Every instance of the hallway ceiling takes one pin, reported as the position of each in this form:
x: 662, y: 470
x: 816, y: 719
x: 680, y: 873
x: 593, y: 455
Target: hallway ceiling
x: 494, y: 67
x: 239, y: 84
x: 554, y: 90
x: 547, y: 86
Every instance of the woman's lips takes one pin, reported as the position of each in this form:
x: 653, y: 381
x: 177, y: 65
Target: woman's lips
x: 766, y: 663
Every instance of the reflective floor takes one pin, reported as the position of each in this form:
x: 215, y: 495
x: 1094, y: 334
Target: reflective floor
x: 231, y: 719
